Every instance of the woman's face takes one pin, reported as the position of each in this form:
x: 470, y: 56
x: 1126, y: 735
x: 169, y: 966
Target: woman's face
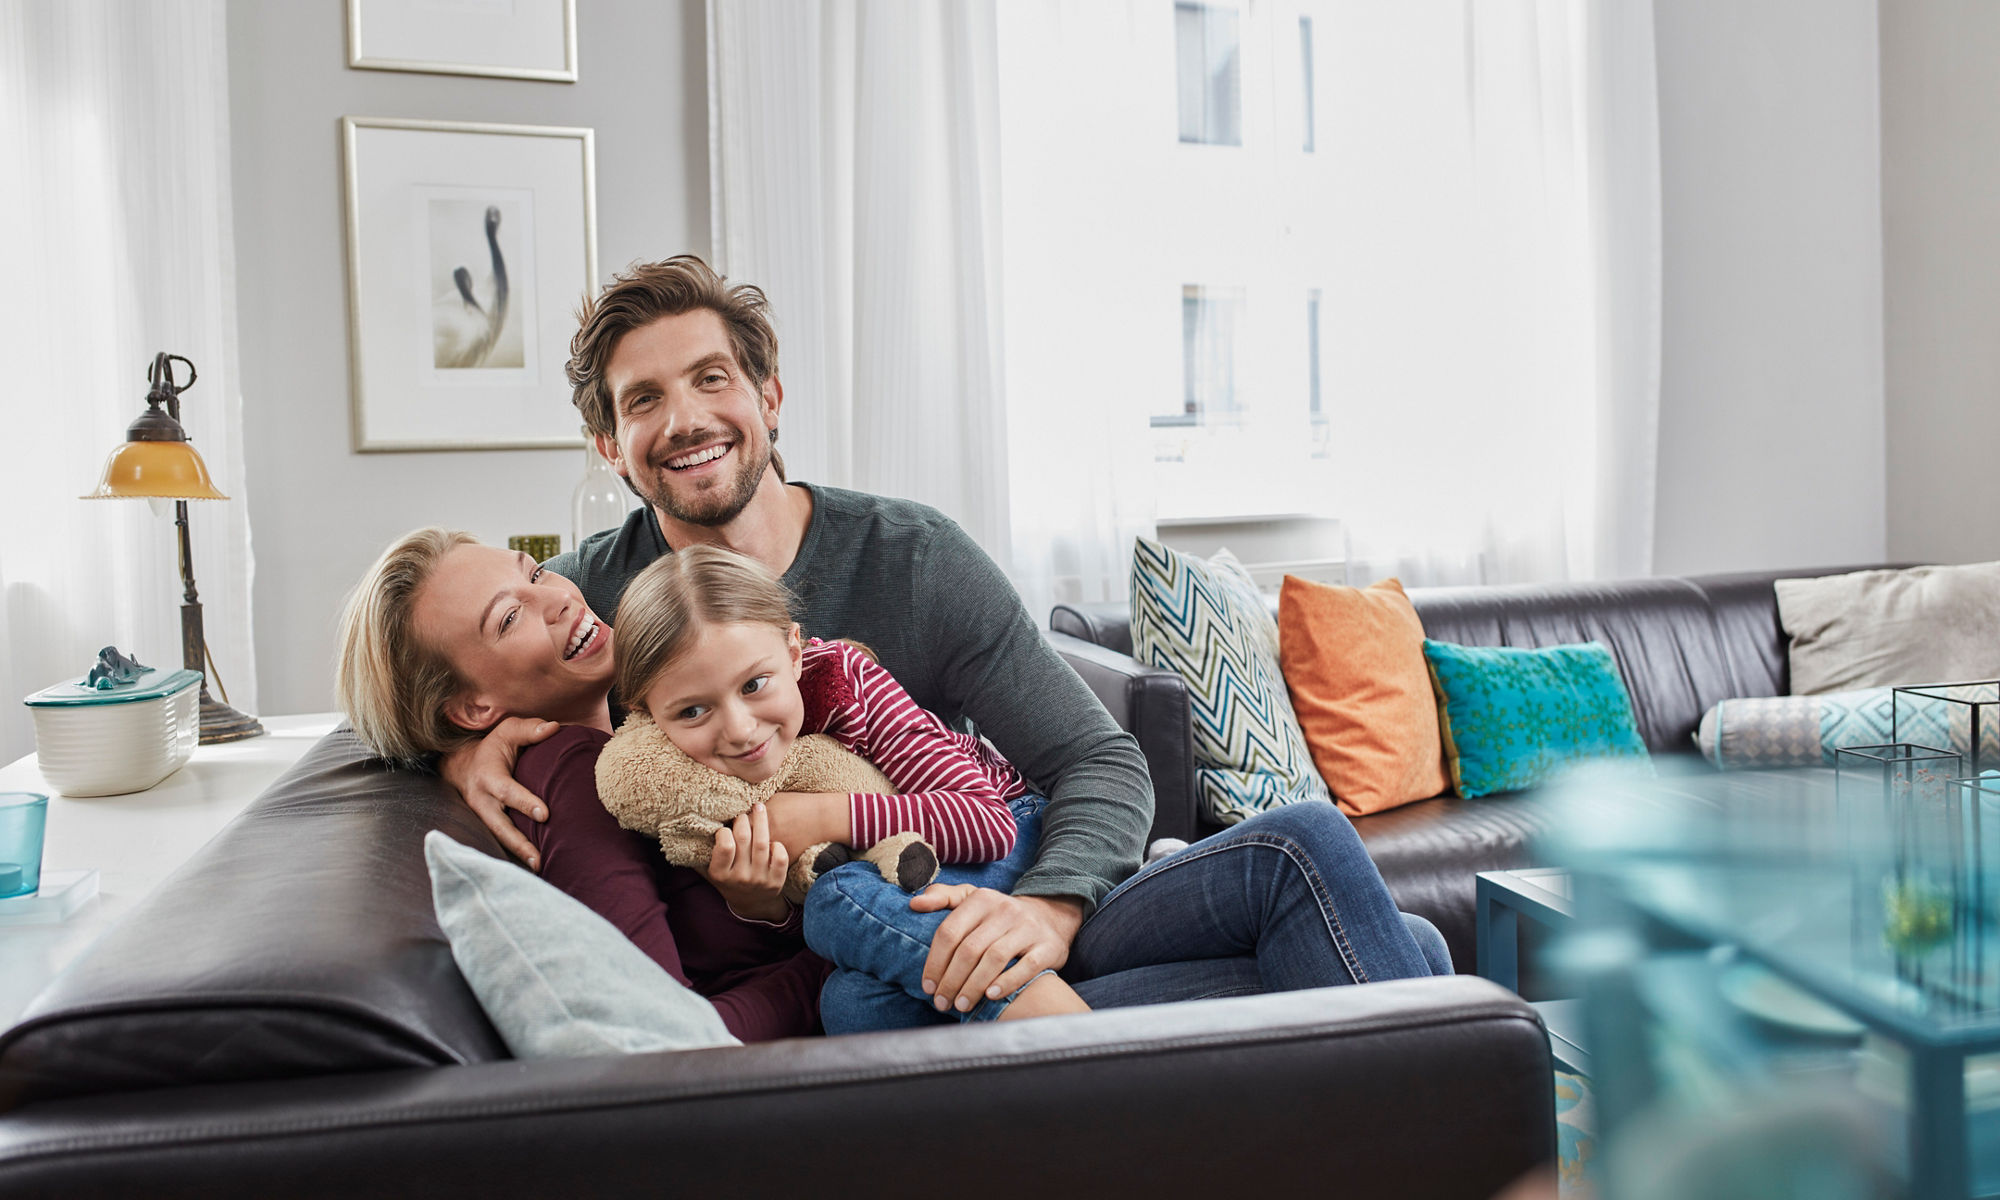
x: 731, y: 700
x: 520, y: 636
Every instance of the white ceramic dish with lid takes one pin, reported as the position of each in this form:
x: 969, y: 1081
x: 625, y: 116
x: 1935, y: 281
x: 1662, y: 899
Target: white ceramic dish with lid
x: 126, y: 738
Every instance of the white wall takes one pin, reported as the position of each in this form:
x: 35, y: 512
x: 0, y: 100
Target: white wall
x: 1771, y: 405
x: 1940, y: 184
x: 319, y: 512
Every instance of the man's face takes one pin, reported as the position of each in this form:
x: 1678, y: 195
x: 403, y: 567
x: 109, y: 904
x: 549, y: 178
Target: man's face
x: 694, y: 431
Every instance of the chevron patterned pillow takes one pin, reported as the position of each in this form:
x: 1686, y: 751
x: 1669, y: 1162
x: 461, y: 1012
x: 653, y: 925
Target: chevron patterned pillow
x: 1206, y: 622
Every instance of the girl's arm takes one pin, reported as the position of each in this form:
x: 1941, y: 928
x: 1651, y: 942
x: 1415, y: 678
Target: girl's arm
x: 946, y: 793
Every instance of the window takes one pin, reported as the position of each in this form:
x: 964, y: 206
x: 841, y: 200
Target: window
x: 1315, y: 413
x: 1306, y: 77
x: 1248, y: 429
x: 1209, y: 322
x: 1209, y: 58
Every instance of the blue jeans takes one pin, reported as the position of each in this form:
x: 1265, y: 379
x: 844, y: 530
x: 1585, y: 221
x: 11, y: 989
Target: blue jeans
x: 863, y: 925
x: 1288, y: 899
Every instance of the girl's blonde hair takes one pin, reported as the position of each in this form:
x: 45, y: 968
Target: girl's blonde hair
x: 391, y: 685
x: 659, y: 610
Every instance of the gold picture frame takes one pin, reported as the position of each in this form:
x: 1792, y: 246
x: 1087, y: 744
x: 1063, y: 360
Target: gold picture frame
x: 535, y: 40
x: 468, y: 247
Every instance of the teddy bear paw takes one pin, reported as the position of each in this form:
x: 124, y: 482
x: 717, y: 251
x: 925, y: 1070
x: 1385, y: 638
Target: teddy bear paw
x: 916, y: 867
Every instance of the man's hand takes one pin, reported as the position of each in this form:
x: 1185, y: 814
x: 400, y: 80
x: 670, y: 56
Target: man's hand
x: 748, y: 867
x: 985, y: 931
x: 483, y: 773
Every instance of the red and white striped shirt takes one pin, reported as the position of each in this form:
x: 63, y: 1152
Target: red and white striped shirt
x: 954, y: 788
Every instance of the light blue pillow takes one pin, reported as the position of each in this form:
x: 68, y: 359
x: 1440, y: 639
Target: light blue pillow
x: 1511, y: 718
x: 556, y: 979
x: 1206, y: 622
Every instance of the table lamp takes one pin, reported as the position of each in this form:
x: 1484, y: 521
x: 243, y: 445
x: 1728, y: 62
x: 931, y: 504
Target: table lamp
x: 157, y: 463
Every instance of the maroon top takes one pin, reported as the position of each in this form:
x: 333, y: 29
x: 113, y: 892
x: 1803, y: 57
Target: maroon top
x: 759, y: 976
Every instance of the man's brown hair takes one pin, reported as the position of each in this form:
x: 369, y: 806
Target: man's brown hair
x: 645, y: 293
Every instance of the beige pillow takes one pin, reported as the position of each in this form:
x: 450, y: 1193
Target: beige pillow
x: 1883, y: 628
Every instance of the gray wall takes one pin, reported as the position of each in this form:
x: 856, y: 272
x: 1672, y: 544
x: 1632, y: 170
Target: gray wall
x: 1771, y: 394
x: 1941, y: 237
x: 320, y: 512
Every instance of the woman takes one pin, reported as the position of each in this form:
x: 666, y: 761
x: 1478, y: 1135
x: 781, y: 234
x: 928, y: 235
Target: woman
x: 445, y: 638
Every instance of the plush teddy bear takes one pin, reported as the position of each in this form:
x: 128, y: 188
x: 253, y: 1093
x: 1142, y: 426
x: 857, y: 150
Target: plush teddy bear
x: 653, y: 787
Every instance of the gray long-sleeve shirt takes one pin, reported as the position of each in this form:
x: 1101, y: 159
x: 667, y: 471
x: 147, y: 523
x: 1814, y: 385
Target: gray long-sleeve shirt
x: 906, y: 581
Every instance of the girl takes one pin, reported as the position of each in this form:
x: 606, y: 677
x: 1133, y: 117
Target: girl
x: 707, y: 648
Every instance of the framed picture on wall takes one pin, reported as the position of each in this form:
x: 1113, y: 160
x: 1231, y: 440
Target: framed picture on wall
x: 512, y: 39
x: 468, y: 248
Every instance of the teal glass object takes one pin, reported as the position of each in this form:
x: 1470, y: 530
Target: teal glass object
x: 1765, y: 949
x: 23, y: 817
x: 1962, y: 716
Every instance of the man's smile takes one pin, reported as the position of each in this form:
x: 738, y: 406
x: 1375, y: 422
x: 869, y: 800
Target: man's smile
x: 700, y: 457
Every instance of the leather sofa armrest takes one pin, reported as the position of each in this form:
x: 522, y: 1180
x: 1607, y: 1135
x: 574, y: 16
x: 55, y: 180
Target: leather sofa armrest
x: 1152, y: 705
x: 1431, y: 1087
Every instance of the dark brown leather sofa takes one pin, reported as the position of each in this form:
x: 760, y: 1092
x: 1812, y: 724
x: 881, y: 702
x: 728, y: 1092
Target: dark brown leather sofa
x: 282, y: 1017
x: 1682, y: 645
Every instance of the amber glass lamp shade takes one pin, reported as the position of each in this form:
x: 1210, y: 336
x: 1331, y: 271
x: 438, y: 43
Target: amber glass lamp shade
x: 155, y: 470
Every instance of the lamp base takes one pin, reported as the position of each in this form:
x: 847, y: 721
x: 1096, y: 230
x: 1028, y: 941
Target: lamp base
x: 221, y: 723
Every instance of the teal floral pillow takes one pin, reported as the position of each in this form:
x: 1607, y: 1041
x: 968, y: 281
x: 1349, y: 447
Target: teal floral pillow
x: 1513, y: 718
x: 1205, y: 621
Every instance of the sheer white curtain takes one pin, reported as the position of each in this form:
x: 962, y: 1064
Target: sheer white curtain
x: 1093, y: 304
x: 115, y: 198
x: 1493, y: 343
x: 854, y: 165
x: 1438, y: 219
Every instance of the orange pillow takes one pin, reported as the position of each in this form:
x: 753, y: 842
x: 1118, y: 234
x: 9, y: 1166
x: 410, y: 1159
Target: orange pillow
x: 1353, y: 660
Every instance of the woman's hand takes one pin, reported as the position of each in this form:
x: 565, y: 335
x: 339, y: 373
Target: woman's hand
x: 483, y: 773
x: 748, y: 867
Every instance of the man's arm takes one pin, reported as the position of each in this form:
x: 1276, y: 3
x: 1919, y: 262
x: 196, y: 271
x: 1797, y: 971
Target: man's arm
x: 1021, y: 695
x: 483, y: 774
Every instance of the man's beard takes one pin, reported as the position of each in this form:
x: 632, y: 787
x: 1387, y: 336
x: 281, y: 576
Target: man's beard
x: 712, y: 506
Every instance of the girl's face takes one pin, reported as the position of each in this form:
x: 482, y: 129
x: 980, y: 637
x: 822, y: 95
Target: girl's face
x: 731, y: 701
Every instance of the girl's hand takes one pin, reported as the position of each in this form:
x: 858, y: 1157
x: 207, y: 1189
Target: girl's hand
x: 748, y: 867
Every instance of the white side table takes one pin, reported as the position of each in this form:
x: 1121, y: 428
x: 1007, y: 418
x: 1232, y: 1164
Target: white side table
x: 135, y: 841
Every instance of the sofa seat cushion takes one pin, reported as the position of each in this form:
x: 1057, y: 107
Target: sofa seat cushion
x: 1428, y: 853
x: 300, y: 941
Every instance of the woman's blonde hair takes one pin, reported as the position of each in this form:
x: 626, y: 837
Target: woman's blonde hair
x: 701, y: 584
x: 391, y: 685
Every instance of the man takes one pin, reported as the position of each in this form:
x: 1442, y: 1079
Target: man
x: 675, y: 373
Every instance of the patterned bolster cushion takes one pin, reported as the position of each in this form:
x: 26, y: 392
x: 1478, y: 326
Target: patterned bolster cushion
x: 1804, y: 731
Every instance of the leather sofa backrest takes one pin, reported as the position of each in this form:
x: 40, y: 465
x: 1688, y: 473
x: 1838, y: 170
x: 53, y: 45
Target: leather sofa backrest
x: 301, y: 941
x: 1746, y: 619
x: 1658, y: 630
x: 1682, y: 645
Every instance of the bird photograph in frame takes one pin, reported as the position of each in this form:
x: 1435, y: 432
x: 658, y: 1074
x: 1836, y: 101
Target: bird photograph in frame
x: 480, y: 278
x: 467, y: 247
